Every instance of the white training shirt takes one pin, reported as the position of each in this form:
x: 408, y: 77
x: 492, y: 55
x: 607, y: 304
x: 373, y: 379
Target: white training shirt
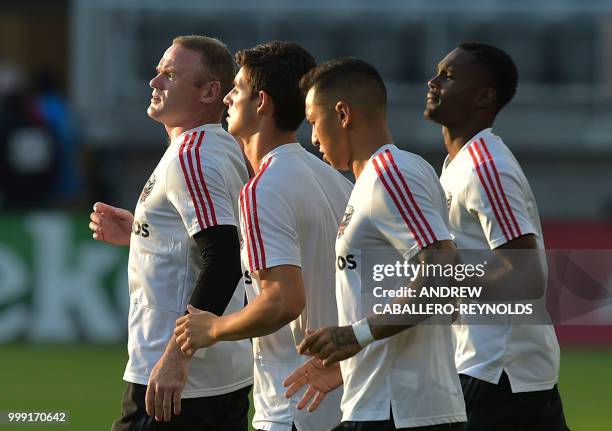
x: 195, y: 185
x: 397, y: 203
x: 491, y: 203
x: 290, y: 212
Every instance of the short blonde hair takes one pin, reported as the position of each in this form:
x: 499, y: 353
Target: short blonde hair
x: 217, y: 60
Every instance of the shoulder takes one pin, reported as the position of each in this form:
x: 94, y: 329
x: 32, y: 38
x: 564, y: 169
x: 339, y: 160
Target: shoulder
x: 401, y: 169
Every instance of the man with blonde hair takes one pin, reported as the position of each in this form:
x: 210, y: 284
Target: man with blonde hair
x: 184, y: 249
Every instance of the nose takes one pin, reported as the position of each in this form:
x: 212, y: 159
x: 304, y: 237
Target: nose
x: 156, y: 82
x: 228, y: 98
x: 313, y: 138
x: 433, y: 82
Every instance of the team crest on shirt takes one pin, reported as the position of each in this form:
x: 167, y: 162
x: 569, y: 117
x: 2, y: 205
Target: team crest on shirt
x: 146, y: 191
x: 449, y: 199
x: 348, y: 214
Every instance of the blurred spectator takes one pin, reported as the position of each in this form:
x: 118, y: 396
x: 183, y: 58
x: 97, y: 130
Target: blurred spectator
x: 28, y: 148
x: 55, y: 112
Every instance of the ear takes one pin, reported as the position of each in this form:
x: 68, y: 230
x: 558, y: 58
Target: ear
x: 211, y: 91
x: 344, y: 112
x: 486, y: 98
x: 265, y: 103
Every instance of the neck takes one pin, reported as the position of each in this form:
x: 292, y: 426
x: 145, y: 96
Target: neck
x: 365, y: 142
x: 456, y: 137
x: 206, y: 118
x: 262, y: 142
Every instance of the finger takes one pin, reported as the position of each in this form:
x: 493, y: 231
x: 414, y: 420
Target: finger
x: 325, y: 351
x: 307, y: 342
x: 181, y: 321
x: 296, y: 385
x: 336, y: 356
x: 318, y: 345
x: 193, y: 310
x: 176, y: 401
x: 159, y: 405
x: 167, y: 405
x: 296, y: 375
x: 94, y: 226
x: 149, y: 399
x: 308, y: 395
x: 101, y: 207
x: 313, y: 406
x: 181, y: 340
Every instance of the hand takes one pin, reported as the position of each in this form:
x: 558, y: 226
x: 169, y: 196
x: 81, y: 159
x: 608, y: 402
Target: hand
x: 330, y: 344
x: 166, y: 384
x: 195, y: 330
x: 111, y: 224
x: 320, y: 380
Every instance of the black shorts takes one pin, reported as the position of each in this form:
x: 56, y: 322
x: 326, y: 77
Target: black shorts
x: 227, y: 412
x: 492, y: 407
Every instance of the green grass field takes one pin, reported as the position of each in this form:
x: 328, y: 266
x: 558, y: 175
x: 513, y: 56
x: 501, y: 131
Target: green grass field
x: 86, y: 381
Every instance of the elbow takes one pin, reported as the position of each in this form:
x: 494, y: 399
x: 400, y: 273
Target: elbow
x: 291, y: 310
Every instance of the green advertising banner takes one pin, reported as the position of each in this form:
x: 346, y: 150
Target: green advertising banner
x: 57, y: 284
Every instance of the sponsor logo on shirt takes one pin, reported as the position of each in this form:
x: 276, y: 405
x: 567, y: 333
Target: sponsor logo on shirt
x: 348, y: 214
x: 140, y: 229
x: 146, y: 191
x: 346, y: 262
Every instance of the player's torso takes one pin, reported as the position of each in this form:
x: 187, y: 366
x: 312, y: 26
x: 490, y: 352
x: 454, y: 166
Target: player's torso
x: 316, y: 196
x: 162, y: 256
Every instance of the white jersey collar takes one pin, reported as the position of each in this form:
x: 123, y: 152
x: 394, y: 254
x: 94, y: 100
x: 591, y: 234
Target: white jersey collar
x: 179, y: 139
x: 282, y: 149
x: 483, y: 133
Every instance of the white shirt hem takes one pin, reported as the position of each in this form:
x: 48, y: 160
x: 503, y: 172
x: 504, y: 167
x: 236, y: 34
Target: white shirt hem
x: 195, y: 393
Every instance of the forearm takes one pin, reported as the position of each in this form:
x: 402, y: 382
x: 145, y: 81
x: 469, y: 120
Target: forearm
x: 220, y: 271
x: 264, y: 315
x: 385, y: 325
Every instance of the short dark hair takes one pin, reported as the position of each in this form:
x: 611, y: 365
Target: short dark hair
x: 217, y: 61
x: 276, y: 68
x: 499, y: 66
x: 348, y: 77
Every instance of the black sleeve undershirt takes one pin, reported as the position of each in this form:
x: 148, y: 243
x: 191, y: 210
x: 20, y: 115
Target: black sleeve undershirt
x: 220, y: 271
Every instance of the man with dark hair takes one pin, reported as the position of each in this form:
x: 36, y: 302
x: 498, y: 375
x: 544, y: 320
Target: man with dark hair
x: 398, y: 205
x: 290, y: 212
x: 184, y: 248
x: 508, y: 372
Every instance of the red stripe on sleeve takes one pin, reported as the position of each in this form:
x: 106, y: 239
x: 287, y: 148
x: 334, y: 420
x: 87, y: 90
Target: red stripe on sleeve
x: 256, y: 220
x: 397, y: 204
x: 411, y: 197
x: 402, y: 195
x: 486, y: 167
x: 190, y: 159
x: 186, y: 175
x: 210, y: 206
x: 252, y: 234
x: 501, y: 188
x: 486, y: 187
x: 245, y: 221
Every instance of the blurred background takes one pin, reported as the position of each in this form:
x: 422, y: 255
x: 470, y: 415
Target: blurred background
x: 73, y: 130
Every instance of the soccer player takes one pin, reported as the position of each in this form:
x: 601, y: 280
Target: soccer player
x: 406, y: 379
x: 508, y: 372
x: 184, y: 248
x: 290, y: 212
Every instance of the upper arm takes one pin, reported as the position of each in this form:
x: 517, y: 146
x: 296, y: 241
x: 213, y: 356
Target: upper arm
x: 283, y: 285
x: 495, y: 194
x: 409, y: 212
x: 196, y: 187
x: 268, y: 226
